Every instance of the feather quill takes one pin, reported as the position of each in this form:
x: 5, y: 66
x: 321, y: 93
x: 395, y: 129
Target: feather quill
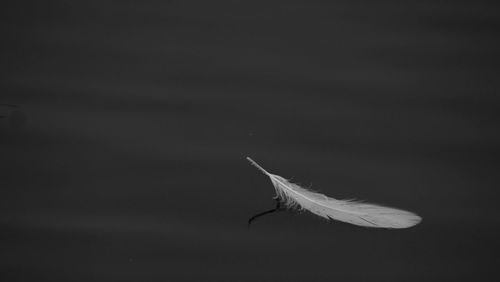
x: 350, y: 211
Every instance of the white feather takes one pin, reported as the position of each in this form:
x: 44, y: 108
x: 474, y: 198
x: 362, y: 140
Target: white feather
x: 350, y: 211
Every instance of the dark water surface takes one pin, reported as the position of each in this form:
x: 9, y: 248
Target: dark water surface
x: 139, y: 116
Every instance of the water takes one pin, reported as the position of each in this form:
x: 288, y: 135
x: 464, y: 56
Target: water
x: 131, y: 164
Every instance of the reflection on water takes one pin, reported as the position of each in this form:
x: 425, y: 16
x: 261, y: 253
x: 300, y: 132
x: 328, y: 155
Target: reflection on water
x: 132, y: 164
x: 12, y: 116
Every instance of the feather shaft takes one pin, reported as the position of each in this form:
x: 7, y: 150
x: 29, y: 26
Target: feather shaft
x: 254, y: 163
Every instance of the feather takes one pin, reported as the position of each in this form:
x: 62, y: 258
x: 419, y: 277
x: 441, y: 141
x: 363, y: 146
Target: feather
x: 350, y: 211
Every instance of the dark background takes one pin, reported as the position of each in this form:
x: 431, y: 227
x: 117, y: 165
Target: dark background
x: 139, y: 116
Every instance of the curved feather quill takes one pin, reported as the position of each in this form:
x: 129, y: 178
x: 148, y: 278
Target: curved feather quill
x: 350, y: 211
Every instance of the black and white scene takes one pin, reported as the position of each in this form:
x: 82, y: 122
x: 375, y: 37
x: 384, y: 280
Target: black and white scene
x: 297, y: 141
